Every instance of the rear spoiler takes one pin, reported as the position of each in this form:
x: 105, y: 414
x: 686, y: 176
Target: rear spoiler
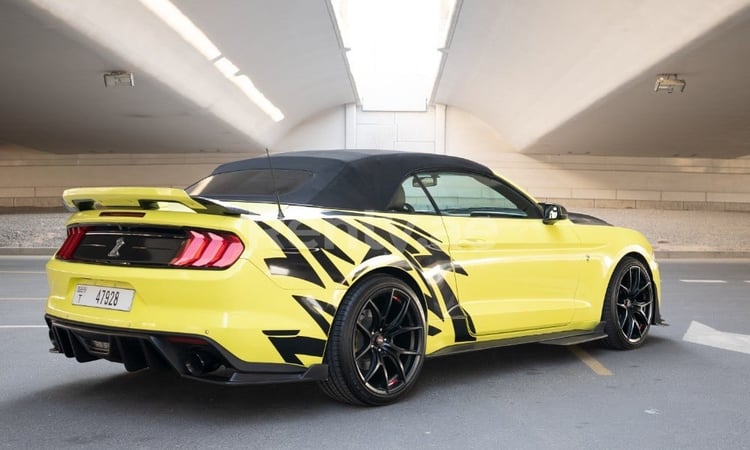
x: 148, y: 198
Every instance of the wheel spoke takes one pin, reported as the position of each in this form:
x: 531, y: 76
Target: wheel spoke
x: 635, y: 280
x: 377, y: 316
x: 386, y: 377
x: 394, y: 324
x: 391, y: 296
x: 403, y: 330
x: 363, y: 328
x: 631, y: 326
x: 400, y: 351
x: 642, y: 289
x: 359, y: 355
x: 400, y: 371
x: 622, y: 318
x: 641, y: 316
x: 643, y: 306
x: 373, y: 369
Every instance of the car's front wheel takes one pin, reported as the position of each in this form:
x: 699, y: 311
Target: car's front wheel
x: 628, y: 305
x: 377, y: 342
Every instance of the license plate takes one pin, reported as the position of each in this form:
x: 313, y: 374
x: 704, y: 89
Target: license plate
x: 103, y: 297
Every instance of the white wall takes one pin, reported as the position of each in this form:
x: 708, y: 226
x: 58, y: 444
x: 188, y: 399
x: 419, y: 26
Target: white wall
x: 30, y: 178
x: 608, y: 182
x: 326, y: 131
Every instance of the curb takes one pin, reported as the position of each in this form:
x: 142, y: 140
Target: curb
x: 705, y: 254
x: 27, y: 251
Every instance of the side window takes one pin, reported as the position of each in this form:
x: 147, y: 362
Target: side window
x: 411, y: 198
x: 416, y: 197
x: 468, y: 195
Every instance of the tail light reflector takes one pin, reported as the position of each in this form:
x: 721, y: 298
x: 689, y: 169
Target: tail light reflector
x: 75, y: 234
x: 207, y: 249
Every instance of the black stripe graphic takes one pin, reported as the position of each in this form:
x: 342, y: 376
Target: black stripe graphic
x: 405, y: 224
x: 432, y: 256
x: 309, y: 305
x: 320, y: 245
x: 294, y: 264
x: 401, y: 245
x: 431, y: 299
x: 376, y: 248
x: 290, y: 347
x: 315, y: 239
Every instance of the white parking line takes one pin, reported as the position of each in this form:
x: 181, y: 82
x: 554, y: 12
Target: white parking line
x: 704, y: 281
x: 7, y: 327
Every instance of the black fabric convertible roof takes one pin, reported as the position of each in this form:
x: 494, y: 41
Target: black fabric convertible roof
x: 346, y: 179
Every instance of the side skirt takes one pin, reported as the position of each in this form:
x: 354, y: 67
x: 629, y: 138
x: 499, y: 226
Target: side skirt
x: 559, y: 338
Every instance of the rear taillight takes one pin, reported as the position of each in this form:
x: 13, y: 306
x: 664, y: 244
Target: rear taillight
x: 208, y: 249
x: 75, y: 234
x: 153, y: 247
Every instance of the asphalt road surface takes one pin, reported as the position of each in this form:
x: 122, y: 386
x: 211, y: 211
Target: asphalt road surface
x: 687, y: 388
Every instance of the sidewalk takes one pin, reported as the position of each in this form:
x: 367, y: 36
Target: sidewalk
x: 32, y: 233
x: 674, y: 234
x: 686, y: 234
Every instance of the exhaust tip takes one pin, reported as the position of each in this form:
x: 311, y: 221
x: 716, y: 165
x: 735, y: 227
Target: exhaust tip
x: 201, y: 362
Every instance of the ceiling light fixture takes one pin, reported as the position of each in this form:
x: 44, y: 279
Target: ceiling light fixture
x: 669, y: 82
x: 116, y: 78
x: 179, y: 22
x: 393, y: 49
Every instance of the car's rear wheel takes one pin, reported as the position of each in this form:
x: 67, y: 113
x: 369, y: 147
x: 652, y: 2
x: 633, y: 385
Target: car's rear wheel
x: 377, y: 342
x: 628, y: 305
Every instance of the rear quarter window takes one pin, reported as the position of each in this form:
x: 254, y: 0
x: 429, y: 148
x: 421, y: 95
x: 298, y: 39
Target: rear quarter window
x: 250, y: 182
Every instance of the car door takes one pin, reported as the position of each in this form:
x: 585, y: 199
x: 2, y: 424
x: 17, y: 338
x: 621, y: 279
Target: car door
x: 515, y: 273
x: 430, y: 251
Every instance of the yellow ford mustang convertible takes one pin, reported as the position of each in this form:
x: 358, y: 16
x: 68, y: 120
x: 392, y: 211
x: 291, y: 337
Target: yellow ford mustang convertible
x: 344, y: 267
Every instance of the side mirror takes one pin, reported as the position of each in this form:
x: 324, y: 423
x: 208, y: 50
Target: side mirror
x: 553, y: 213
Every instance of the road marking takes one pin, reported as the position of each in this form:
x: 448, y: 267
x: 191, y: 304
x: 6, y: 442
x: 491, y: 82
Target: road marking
x: 590, y: 361
x: 698, y: 333
x: 5, y: 299
x: 704, y: 281
x: 7, y: 327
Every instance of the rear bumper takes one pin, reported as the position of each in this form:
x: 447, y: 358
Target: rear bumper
x: 191, y: 356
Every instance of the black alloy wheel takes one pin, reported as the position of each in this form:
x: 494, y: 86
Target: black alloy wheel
x: 377, y: 343
x: 628, y: 305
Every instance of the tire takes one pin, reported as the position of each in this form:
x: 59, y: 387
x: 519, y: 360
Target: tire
x: 628, y: 305
x: 376, y: 345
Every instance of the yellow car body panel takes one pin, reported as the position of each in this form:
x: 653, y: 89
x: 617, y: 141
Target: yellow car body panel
x: 345, y: 267
x: 532, y: 279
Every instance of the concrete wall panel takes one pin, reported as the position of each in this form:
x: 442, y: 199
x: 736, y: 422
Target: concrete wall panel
x: 30, y: 178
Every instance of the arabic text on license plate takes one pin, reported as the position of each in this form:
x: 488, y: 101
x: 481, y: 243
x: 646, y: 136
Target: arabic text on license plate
x: 103, y: 297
